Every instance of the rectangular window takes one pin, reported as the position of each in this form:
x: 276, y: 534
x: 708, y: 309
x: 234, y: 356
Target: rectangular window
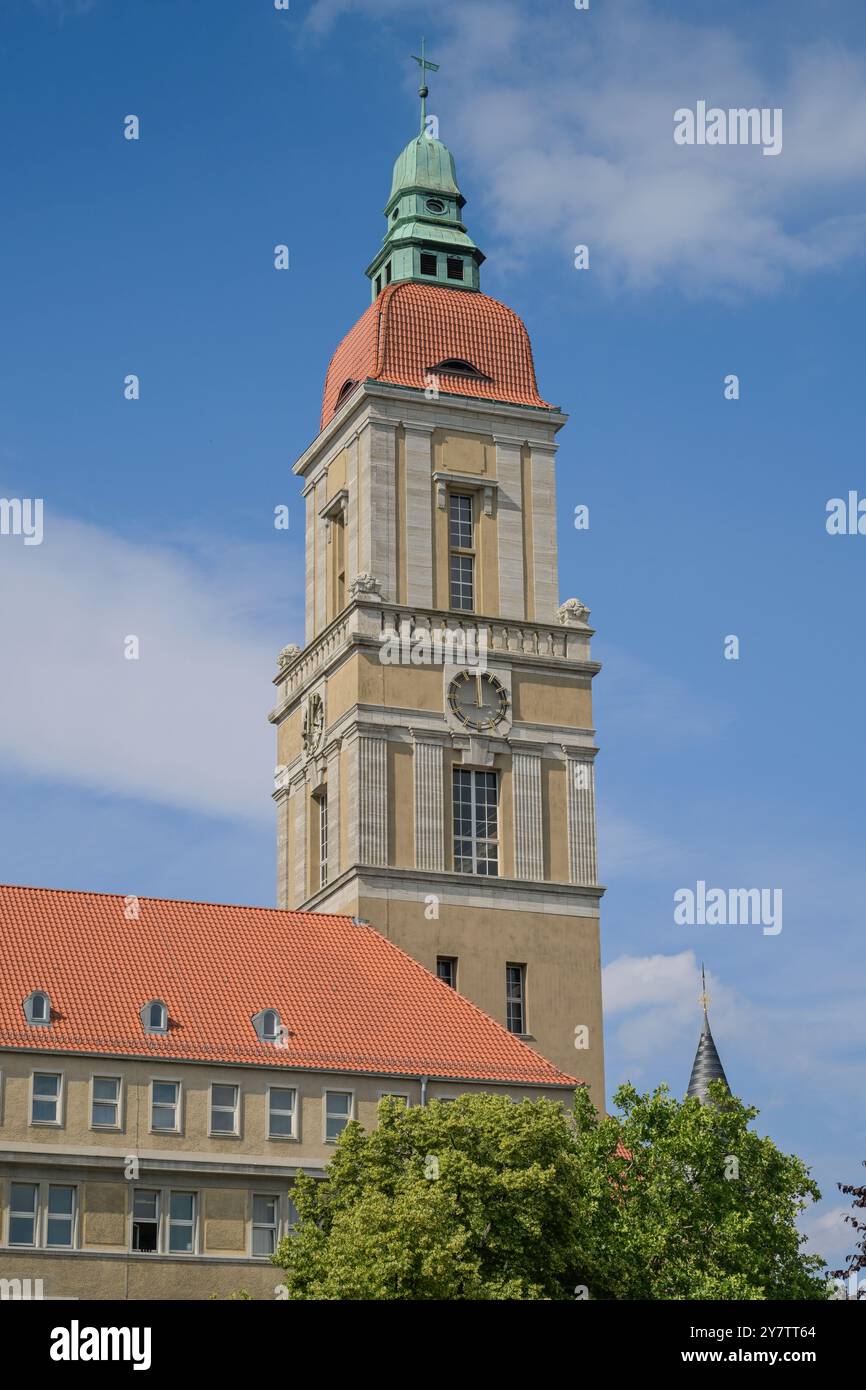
x: 265, y: 1222
x: 145, y: 1221
x: 323, y: 839
x: 402, y: 1096
x: 105, y: 1103
x: 388, y: 273
x: 428, y: 263
x: 455, y: 268
x: 446, y: 970
x: 181, y: 1223
x: 60, y: 1219
x: 223, y: 1109
x: 515, y: 998
x: 282, y: 1105
x: 338, y: 1113
x: 22, y: 1213
x: 165, y: 1105
x: 476, y: 848
x: 461, y: 551
x: 46, y: 1099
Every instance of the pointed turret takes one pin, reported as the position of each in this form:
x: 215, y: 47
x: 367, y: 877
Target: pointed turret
x: 707, y: 1064
x: 426, y: 240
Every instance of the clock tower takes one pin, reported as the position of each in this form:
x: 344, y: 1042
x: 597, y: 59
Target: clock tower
x: 435, y: 737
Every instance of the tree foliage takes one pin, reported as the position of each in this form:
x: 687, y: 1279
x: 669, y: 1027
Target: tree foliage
x: 858, y: 1260
x: 487, y: 1199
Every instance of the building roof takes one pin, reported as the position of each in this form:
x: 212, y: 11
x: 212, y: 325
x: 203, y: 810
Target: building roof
x: 410, y: 328
x: 707, y: 1065
x: 352, y: 1001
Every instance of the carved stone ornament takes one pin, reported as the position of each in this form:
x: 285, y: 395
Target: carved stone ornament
x: 313, y: 724
x: 573, y: 612
x: 287, y: 655
x: 364, y: 584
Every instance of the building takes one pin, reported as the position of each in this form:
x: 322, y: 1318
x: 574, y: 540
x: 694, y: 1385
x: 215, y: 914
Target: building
x: 166, y: 1068
x: 435, y: 736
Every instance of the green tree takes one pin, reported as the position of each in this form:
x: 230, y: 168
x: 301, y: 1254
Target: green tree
x: 487, y: 1199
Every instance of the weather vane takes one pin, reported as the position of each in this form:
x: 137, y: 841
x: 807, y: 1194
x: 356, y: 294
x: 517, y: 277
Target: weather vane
x: 423, y: 90
x: 703, y: 997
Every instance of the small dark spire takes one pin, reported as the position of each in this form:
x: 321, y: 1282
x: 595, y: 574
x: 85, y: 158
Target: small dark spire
x: 707, y: 1065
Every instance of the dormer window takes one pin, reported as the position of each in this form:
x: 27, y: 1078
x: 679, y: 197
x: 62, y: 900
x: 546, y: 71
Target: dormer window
x: 37, y: 1009
x: 154, y: 1017
x: 267, y: 1025
x: 458, y: 366
x: 346, y: 387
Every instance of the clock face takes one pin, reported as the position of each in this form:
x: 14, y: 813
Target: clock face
x: 314, y: 723
x: 478, y: 699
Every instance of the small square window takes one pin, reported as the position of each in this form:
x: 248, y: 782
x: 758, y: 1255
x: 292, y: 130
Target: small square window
x: 22, y: 1213
x: 61, y: 1217
x: 338, y: 1113
x: 46, y: 1099
x: 105, y: 1107
x: 446, y: 970
x: 265, y: 1224
x: 145, y: 1221
x: 282, y: 1105
x: 428, y: 263
x: 181, y: 1223
x: 165, y: 1107
x: 223, y: 1109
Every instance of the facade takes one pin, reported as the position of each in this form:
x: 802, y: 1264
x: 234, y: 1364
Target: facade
x: 166, y: 1068
x: 435, y: 742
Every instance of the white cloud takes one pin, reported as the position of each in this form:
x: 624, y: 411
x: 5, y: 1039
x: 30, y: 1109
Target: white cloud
x: 186, y: 724
x: 564, y: 128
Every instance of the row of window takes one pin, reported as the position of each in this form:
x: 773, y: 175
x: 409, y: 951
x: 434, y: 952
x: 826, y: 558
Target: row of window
x: 166, y: 1107
x: 44, y: 1216
x: 154, y: 1014
x: 515, y: 990
x: 429, y: 265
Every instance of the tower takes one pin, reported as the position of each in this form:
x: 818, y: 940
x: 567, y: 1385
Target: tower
x: 435, y: 738
x: 707, y: 1065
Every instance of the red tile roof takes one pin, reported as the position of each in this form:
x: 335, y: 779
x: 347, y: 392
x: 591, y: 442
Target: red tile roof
x: 411, y: 328
x: 352, y: 1000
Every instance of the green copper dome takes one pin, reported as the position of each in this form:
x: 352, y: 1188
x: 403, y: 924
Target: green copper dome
x: 425, y: 163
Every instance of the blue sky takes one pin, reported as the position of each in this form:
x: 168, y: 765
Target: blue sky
x: 707, y: 516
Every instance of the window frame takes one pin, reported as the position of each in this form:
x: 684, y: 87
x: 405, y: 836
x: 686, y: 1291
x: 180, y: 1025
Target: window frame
x: 158, y: 1192
x: 41, y: 1215
x: 453, y: 962
x: 102, y: 1076
x: 522, y: 1032
x: 432, y: 255
x: 277, y: 1227
x: 178, y: 1104
x: 295, y: 1113
x: 235, y: 1109
x: 171, y: 1221
x: 458, y: 772
x: 58, y: 1122
x: 461, y: 552
x: 333, y: 1091
x: 322, y: 802
x: 395, y: 1095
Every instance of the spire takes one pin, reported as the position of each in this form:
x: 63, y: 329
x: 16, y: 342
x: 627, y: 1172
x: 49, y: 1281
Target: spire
x: 707, y: 1065
x: 424, y: 90
x: 426, y: 239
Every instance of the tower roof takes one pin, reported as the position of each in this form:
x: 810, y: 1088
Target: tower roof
x: 410, y: 330
x: 707, y: 1065
x: 425, y: 164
